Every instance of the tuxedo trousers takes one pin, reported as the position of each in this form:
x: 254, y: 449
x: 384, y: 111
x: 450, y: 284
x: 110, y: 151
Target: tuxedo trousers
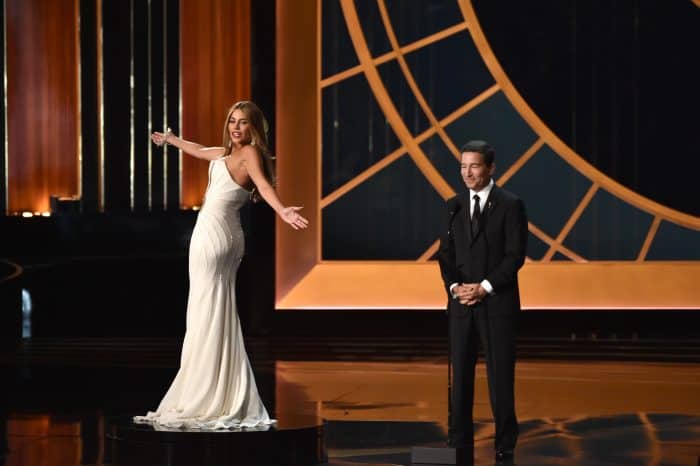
x: 469, y: 326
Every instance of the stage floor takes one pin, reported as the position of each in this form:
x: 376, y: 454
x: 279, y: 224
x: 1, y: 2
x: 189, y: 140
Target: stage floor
x: 570, y: 412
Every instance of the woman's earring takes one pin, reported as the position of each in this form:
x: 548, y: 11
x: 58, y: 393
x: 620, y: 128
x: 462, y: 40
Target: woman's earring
x: 252, y: 142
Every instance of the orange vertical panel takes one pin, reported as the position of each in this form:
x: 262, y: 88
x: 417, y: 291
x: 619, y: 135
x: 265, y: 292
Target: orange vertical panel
x: 297, y: 137
x: 215, y: 63
x: 42, y: 100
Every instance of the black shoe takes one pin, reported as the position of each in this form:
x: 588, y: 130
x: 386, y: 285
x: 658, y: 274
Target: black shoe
x: 504, y: 455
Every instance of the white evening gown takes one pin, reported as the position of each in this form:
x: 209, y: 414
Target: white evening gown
x: 215, y: 387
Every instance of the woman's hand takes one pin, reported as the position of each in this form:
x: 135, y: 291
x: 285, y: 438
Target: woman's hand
x: 292, y: 216
x: 161, y: 138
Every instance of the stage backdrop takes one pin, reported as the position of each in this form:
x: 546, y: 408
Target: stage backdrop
x: 87, y: 81
x: 374, y: 100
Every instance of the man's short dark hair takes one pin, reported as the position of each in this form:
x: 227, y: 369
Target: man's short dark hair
x: 481, y: 147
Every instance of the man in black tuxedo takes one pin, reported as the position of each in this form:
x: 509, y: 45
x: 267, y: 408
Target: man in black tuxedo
x: 481, y: 250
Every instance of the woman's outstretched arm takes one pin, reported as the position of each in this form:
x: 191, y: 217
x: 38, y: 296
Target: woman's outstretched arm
x: 192, y: 148
x: 253, y: 165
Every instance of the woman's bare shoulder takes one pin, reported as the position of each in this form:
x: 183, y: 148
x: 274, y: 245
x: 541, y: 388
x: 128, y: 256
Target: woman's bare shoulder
x: 249, y: 152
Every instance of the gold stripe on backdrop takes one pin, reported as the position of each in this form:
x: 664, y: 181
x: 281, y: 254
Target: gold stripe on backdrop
x: 4, y: 103
x: 165, y: 102
x: 517, y: 165
x: 179, y: 122
x: 545, y: 238
x: 570, y: 223
x: 149, y: 148
x: 653, y: 229
x: 429, y: 252
x: 361, y: 177
x: 132, y: 135
x: 100, y: 111
x: 318, y: 227
x: 79, y: 93
x: 406, y: 49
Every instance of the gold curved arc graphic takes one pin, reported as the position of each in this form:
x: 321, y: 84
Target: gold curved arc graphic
x: 656, y: 455
x: 406, y: 49
x: 389, y: 28
x: 520, y: 162
x: 563, y: 150
x: 436, y: 37
x: 649, y: 238
x: 570, y: 223
x: 430, y: 252
x: 364, y: 175
x: 466, y: 108
x: 384, y: 100
x: 545, y: 238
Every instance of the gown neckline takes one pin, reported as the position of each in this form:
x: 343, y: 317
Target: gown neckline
x: 230, y: 176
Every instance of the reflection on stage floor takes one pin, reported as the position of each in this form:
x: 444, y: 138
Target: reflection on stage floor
x: 570, y: 412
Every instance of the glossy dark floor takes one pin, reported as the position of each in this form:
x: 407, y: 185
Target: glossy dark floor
x: 571, y: 412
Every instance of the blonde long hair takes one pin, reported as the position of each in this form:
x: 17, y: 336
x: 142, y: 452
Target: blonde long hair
x: 258, y: 130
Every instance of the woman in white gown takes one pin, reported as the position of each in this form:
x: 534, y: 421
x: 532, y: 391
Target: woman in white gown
x: 215, y: 387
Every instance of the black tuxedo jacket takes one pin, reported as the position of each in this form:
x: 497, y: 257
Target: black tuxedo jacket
x: 496, y: 253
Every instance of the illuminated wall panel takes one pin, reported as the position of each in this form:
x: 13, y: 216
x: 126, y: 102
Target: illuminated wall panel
x: 42, y: 102
x: 396, y: 93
